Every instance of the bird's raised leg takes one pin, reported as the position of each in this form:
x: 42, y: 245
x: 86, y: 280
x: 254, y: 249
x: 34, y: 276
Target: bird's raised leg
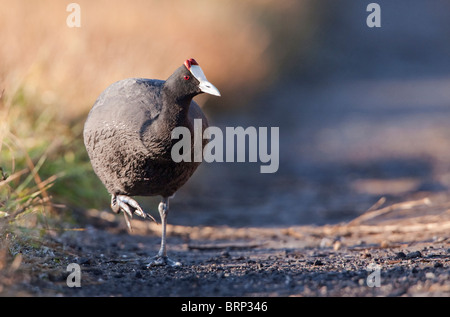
x: 161, y: 258
x: 128, y: 206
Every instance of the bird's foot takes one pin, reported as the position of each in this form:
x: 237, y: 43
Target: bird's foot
x: 128, y: 206
x: 163, y: 261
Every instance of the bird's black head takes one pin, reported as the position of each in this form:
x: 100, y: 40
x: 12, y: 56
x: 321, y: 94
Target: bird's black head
x: 188, y: 81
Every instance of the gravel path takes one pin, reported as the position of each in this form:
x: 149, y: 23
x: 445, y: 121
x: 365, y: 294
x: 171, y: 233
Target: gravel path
x: 396, y: 256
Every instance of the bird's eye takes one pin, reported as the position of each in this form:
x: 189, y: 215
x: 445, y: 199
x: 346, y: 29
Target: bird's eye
x: 186, y: 77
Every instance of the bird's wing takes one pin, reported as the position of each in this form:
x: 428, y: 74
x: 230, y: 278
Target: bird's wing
x: 123, y: 111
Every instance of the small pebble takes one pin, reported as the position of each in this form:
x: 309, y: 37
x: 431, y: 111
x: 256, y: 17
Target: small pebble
x: 430, y: 275
x: 337, y: 245
x: 318, y: 262
x: 84, y: 261
x: 415, y: 254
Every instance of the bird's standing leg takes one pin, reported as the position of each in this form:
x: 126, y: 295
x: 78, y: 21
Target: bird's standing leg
x: 163, y: 209
x: 161, y: 258
x: 128, y: 206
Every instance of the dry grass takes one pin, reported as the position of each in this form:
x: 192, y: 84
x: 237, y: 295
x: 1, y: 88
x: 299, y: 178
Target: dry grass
x: 22, y: 190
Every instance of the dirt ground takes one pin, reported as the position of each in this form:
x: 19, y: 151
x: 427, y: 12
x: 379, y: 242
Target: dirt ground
x: 398, y: 256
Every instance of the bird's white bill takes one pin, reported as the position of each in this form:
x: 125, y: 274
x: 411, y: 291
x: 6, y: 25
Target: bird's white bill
x: 209, y: 88
x: 205, y: 85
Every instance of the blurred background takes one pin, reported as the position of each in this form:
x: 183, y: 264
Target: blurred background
x: 363, y: 112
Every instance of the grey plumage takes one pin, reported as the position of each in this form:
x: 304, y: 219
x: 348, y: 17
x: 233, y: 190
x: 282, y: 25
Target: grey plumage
x: 128, y: 139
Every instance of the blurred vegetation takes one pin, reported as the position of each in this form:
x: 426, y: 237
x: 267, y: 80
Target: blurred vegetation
x: 43, y: 164
x: 50, y: 75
